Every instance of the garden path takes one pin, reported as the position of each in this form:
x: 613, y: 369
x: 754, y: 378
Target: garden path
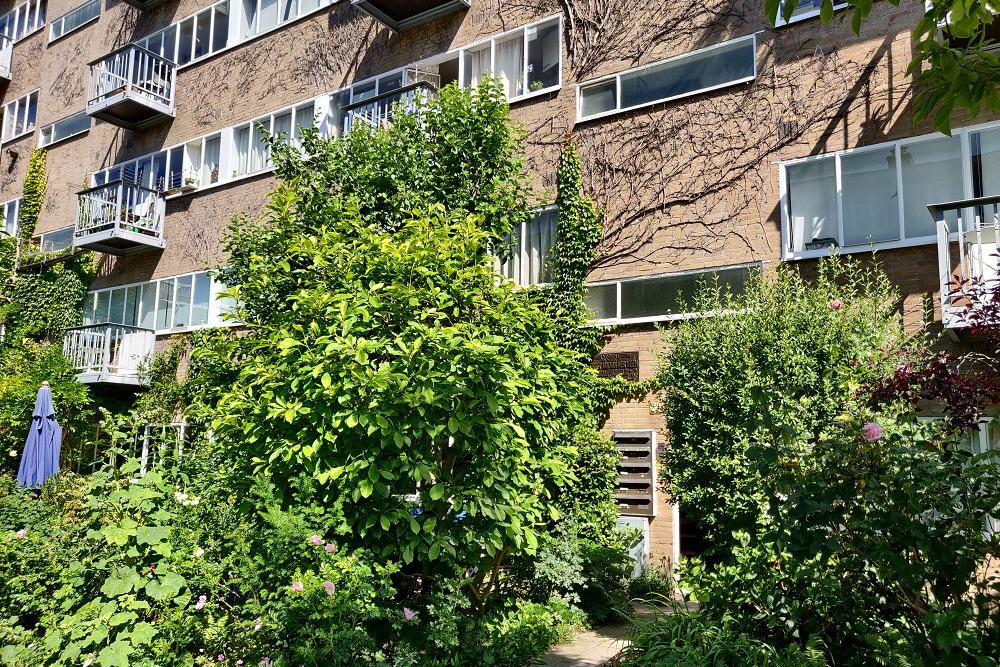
x: 590, y: 648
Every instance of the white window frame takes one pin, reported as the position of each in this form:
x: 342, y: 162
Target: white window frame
x: 215, y: 306
x: 16, y: 104
x: 4, y: 207
x: 616, y: 77
x: 964, y: 134
x: 671, y: 317
x: 61, y: 21
x: 779, y: 22
x: 39, y: 238
x: 50, y: 128
x: 28, y: 30
x: 535, y: 214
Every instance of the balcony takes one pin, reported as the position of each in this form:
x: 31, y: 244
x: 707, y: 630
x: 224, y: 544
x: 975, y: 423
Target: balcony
x: 6, y: 50
x: 968, y: 232
x: 400, y: 15
x: 379, y: 110
x: 120, y: 218
x: 109, y: 354
x: 131, y: 88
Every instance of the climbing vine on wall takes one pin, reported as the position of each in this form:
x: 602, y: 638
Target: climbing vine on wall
x: 33, y: 195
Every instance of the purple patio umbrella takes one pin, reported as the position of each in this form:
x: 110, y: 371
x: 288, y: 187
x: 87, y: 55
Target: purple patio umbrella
x: 40, y: 458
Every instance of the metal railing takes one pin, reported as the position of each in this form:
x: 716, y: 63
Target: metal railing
x: 975, y: 225
x: 123, y: 205
x: 109, y: 350
x: 378, y: 111
x: 136, y: 70
x: 6, y: 51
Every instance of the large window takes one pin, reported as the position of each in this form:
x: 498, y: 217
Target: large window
x: 23, y: 20
x: 56, y: 240
x: 178, y: 303
x: 692, y: 73
x: 8, y: 216
x: 64, y: 129
x: 527, y: 60
x: 878, y: 195
x: 19, y: 116
x: 804, y: 9
x: 529, y: 248
x: 186, y: 167
x: 252, y: 153
x: 194, y: 37
x: 74, y: 19
x: 660, y: 298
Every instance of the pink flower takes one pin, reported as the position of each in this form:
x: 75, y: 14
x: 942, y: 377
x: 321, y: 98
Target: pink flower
x: 329, y: 587
x: 21, y: 534
x: 316, y: 540
x: 871, y: 431
x: 297, y: 586
x: 836, y: 304
x: 330, y: 547
x: 408, y: 613
x: 257, y: 626
x: 220, y: 657
x: 200, y: 604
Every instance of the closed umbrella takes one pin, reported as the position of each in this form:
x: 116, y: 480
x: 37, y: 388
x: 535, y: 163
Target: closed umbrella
x: 40, y: 459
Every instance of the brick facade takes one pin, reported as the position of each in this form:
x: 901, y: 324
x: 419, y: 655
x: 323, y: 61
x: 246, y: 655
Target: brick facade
x: 685, y: 185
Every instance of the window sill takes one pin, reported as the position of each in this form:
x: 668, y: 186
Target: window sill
x: 855, y: 249
x: 17, y: 137
x: 70, y: 32
x: 533, y: 93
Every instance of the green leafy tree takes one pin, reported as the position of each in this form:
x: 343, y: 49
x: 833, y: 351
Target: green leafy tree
x: 956, y: 65
x: 388, y: 361
x: 785, y: 363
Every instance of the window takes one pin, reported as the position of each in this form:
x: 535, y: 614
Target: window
x: 19, y: 116
x: 529, y: 248
x: 181, y: 302
x: 527, y: 60
x: 661, y: 297
x: 804, y: 9
x: 191, y: 165
x: 8, y: 216
x: 715, y: 67
x: 194, y: 37
x: 74, y: 19
x: 64, y: 129
x: 56, y: 240
x: 252, y: 153
x: 23, y: 20
x: 259, y: 16
x: 878, y: 195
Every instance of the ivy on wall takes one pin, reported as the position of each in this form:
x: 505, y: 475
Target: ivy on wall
x: 32, y: 196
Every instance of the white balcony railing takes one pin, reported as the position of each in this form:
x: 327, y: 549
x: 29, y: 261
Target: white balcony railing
x: 968, y: 232
x: 131, y: 87
x: 6, y: 51
x: 120, y: 217
x: 109, y: 353
x: 379, y: 110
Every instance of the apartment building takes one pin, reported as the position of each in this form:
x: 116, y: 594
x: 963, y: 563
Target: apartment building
x: 716, y: 143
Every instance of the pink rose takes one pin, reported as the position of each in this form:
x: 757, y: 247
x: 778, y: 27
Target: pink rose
x: 316, y: 540
x: 330, y: 547
x: 871, y: 431
x: 329, y: 587
x: 200, y: 604
x: 297, y: 586
x: 836, y: 304
x: 408, y: 613
x: 21, y: 534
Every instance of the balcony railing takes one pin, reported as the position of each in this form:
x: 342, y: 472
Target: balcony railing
x: 401, y: 15
x: 378, y: 111
x: 109, y: 353
x: 131, y: 87
x: 968, y: 232
x: 120, y: 217
x: 6, y: 50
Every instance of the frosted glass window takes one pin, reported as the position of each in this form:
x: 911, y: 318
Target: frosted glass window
x: 870, y: 200
x: 202, y: 295
x: 182, y: 302
x: 812, y: 199
x: 932, y: 173
x: 165, y: 305
x: 268, y: 15
x: 147, y: 306
x: 544, y: 55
